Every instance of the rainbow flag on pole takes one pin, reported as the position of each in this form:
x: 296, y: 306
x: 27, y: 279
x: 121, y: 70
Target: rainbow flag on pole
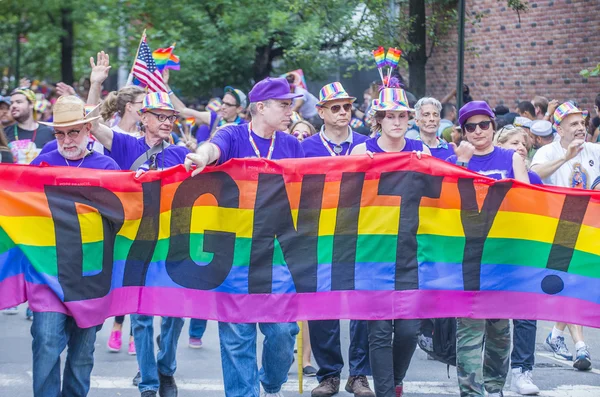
x: 165, y: 59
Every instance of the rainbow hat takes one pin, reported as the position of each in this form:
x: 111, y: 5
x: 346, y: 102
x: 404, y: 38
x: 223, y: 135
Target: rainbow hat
x: 157, y: 101
x: 391, y: 99
x: 333, y: 91
x: 564, y: 110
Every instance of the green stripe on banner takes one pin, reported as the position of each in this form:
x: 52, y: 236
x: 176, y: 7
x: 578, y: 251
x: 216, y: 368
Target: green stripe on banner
x: 5, y: 241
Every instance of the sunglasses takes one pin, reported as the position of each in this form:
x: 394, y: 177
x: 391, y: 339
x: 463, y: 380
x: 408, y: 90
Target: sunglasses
x: 163, y: 117
x: 298, y: 133
x: 336, y: 108
x: 483, y: 126
x: 71, y: 134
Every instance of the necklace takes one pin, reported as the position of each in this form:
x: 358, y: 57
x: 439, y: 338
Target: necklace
x: 337, y: 149
x: 81, y: 162
x: 16, y: 133
x: 253, y: 144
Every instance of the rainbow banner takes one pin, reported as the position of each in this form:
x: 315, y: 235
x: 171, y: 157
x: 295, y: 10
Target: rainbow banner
x: 262, y: 241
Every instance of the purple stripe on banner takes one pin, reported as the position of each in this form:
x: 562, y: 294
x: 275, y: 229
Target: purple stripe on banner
x: 12, y: 291
x: 358, y: 305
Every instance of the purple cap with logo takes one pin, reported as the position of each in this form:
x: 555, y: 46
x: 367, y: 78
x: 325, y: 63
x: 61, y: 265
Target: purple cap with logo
x: 271, y: 88
x: 474, y: 108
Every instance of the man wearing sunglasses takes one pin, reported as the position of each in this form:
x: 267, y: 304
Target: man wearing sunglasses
x: 52, y: 331
x: 336, y: 138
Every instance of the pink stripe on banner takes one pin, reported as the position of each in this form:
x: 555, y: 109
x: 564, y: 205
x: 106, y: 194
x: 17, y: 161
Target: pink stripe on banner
x: 12, y: 291
x: 359, y: 305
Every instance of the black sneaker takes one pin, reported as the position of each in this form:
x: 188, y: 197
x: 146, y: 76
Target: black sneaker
x: 168, y: 387
x: 137, y: 378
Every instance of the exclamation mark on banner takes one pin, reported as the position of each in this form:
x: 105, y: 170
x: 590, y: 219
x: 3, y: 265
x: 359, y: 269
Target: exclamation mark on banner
x: 567, y: 232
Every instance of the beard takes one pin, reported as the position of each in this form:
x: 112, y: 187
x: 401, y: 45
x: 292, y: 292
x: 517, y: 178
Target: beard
x: 74, y: 154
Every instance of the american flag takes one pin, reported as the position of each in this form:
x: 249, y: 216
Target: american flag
x: 146, y: 71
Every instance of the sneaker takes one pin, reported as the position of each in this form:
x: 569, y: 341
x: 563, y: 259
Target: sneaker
x: 425, y: 343
x: 137, y: 378
x: 327, y: 388
x: 499, y: 394
x: 359, y: 386
x: 149, y: 393
x: 522, y: 383
x: 114, y: 341
x: 558, y: 347
x: 399, y: 390
x: 265, y: 394
x: 195, y: 343
x: 29, y: 314
x: 11, y: 311
x: 309, y: 371
x: 167, y: 387
x: 583, y: 361
x: 131, y: 351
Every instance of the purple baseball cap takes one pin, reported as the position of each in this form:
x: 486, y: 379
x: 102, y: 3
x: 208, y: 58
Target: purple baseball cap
x: 474, y: 108
x: 271, y: 88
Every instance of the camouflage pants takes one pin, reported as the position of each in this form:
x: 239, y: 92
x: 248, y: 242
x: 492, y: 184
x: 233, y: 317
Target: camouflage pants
x: 477, y: 373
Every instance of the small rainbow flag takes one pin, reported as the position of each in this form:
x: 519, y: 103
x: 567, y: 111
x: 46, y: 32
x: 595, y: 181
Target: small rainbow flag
x: 356, y: 123
x: 165, y: 59
x: 393, y: 57
x: 189, y: 122
x: 379, y: 55
x: 214, y: 105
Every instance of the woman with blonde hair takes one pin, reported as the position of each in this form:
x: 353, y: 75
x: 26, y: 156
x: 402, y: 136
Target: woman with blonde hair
x: 302, y: 129
x: 125, y: 103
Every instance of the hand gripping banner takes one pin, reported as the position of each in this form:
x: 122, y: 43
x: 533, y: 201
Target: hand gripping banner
x: 261, y: 241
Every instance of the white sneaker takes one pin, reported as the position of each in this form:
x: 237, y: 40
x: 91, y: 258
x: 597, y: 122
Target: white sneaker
x: 495, y: 394
x: 11, y: 311
x: 265, y: 394
x: 522, y: 383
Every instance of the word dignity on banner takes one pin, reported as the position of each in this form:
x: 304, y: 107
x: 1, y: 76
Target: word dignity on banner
x: 261, y: 241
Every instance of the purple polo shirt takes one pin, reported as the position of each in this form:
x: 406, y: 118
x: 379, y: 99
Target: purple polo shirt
x: 92, y: 160
x: 233, y: 143
x: 498, y: 164
x: 411, y: 144
x: 313, y: 146
x: 126, y: 149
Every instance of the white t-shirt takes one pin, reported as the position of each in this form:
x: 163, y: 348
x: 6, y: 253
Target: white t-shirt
x: 579, y: 172
x: 309, y: 107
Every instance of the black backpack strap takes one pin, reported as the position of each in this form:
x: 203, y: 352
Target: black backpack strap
x: 147, y: 154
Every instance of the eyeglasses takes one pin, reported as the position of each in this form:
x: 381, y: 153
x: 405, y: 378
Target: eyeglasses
x: 336, y: 108
x: 163, y: 117
x: 230, y: 105
x: 483, y: 125
x: 71, y: 134
x: 298, y: 133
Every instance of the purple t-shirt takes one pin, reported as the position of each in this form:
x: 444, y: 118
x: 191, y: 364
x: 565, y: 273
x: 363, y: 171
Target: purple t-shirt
x: 203, y: 131
x: 498, y: 164
x: 92, y: 160
x: 314, y: 147
x: 126, y: 149
x: 233, y: 143
x: 442, y: 153
x: 534, y: 178
x: 411, y: 144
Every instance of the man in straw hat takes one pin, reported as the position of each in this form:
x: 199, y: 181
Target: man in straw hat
x: 53, y: 331
x: 336, y: 138
x: 271, y: 109
x: 26, y: 137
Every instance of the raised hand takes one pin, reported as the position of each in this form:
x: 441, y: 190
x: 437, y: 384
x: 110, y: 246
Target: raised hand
x: 574, y: 148
x: 464, y: 151
x: 65, y: 89
x: 100, y: 68
x: 165, y: 76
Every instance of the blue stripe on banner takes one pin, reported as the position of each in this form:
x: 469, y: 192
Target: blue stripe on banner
x: 13, y: 255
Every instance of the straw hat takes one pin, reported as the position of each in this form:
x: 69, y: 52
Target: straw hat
x: 69, y: 110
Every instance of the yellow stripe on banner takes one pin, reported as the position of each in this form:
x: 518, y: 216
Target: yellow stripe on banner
x: 378, y: 220
x: 130, y: 229
x: 440, y: 221
x: 521, y: 226
x: 29, y: 230
x: 588, y: 240
x: 233, y: 220
x: 91, y: 227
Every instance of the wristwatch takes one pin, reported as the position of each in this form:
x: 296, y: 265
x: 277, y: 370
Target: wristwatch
x: 462, y: 163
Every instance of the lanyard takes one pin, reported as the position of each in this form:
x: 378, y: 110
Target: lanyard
x: 337, y: 149
x: 16, y: 134
x: 271, y: 148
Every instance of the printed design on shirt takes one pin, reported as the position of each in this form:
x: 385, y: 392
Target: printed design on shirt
x: 496, y: 174
x: 579, y: 177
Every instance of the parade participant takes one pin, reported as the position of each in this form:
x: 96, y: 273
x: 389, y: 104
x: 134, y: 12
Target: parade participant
x: 516, y: 138
x: 392, y: 343
x: 570, y: 162
x: 427, y: 116
x: 271, y: 109
x: 53, y: 332
x: 26, y: 137
x: 336, y: 138
x: 302, y: 130
x: 5, y: 116
x: 126, y: 104
x: 5, y: 157
x: 477, y: 153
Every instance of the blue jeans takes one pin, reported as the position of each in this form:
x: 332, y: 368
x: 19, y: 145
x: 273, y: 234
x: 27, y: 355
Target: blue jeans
x: 197, y: 328
x: 326, y: 347
x: 52, y: 333
x: 166, y: 360
x: 523, y: 353
x: 238, y: 357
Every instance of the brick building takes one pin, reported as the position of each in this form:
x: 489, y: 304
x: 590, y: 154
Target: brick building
x: 512, y: 61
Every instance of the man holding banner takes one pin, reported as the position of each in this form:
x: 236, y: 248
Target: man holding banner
x: 53, y: 331
x: 271, y: 109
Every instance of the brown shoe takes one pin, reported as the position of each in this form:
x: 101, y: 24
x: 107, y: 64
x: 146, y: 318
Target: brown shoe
x: 327, y: 388
x: 359, y: 386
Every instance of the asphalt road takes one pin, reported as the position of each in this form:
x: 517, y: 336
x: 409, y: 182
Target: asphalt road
x: 199, y: 371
